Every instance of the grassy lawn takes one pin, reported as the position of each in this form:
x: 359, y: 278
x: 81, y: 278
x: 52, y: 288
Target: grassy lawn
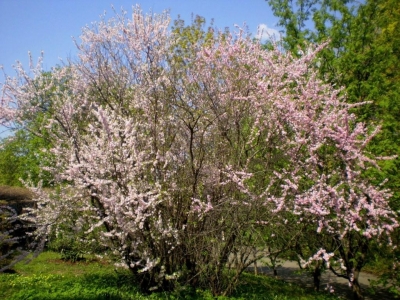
x: 48, y: 277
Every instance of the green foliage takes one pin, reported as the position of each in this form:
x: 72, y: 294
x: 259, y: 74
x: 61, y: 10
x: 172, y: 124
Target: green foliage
x: 72, y: 255
x: 11, y: 167
x: 73, y: 239
x: 194, y: 34
x: 385, y: 262
x: 73, y: 245
x: 21, y: 158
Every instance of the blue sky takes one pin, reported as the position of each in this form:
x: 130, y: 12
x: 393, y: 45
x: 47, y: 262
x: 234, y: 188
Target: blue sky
x: 49, y: 25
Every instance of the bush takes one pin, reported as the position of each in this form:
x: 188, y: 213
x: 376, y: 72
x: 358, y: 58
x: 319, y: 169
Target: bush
x: 73, y: 237
x: 14, y: 240
x: 9, y: 240
x: 13, y: 193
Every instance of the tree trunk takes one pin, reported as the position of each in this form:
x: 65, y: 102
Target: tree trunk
x: 317, y: 276
x: 355, y: 287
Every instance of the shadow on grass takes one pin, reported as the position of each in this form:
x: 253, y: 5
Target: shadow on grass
x: 294, y: 276
x: 266, y: 287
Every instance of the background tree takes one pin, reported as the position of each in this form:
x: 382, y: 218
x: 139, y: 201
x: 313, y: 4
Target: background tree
x: 22, y: 158
x: 363, y: 48
x: 24, y: 155
x: 368, y: 74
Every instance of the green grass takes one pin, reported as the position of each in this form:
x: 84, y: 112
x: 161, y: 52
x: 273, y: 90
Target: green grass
x: 47, y: 277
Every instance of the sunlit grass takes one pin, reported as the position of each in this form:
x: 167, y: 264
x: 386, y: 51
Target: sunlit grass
x: 48, y: 277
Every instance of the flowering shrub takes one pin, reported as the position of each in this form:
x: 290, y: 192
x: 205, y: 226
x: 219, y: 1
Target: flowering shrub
x: 187, y: 150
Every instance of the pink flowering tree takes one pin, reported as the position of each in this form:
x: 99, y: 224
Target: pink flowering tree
x: 185, y: 147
